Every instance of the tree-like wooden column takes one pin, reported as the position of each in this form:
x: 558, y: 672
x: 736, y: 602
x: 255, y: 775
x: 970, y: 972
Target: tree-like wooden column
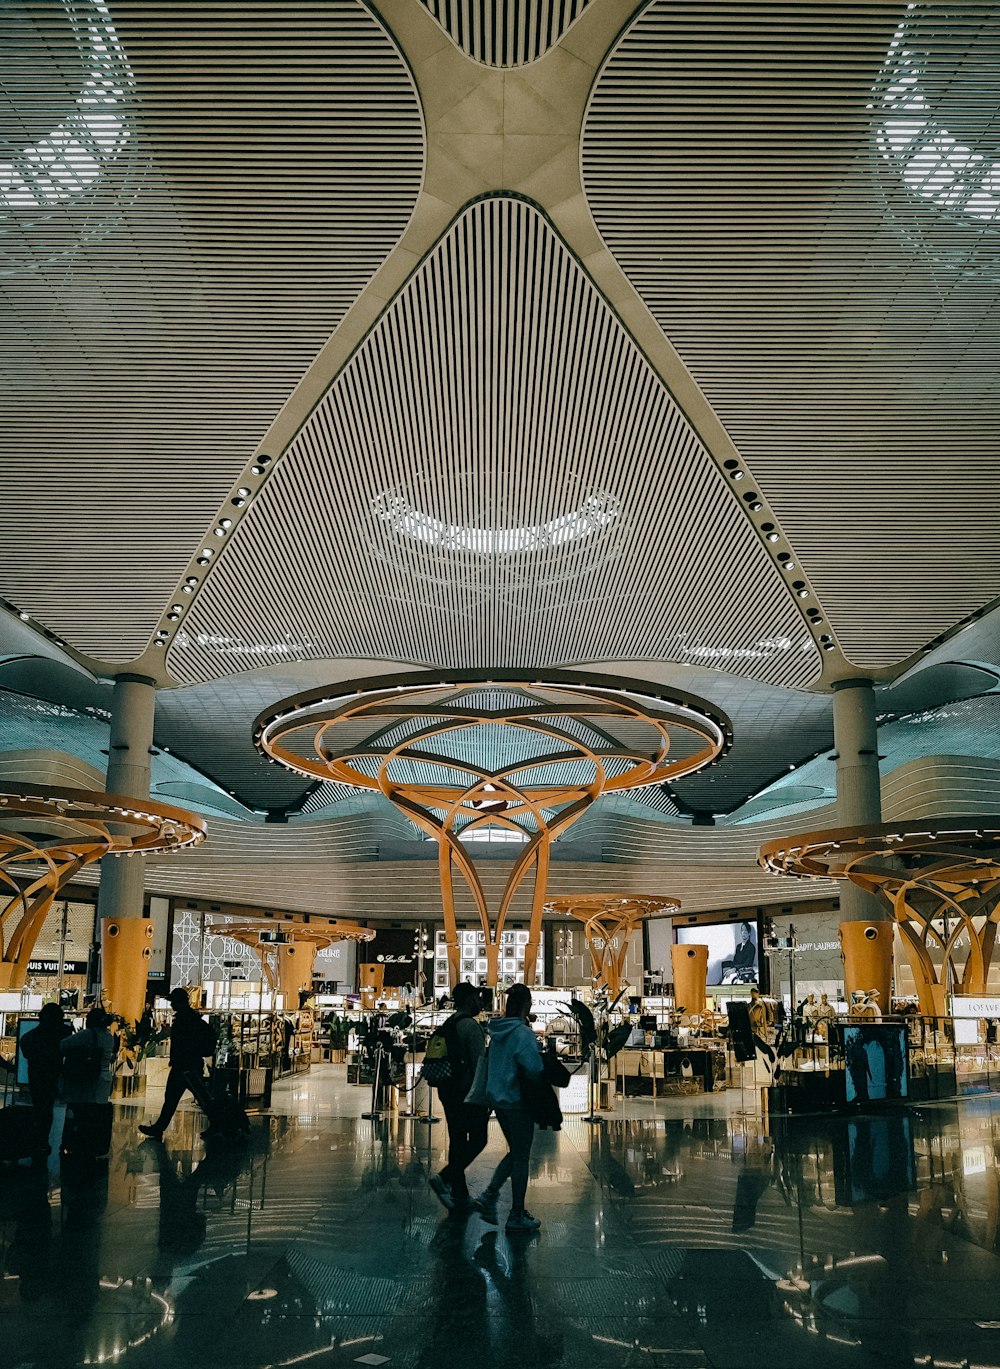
x: 940, y: 880
x: 608, y: 923
x: 456, y: 754
x: 284, y: 974
x: 48, y: 835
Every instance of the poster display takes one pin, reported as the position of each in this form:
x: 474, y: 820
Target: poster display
x: 732, y: 951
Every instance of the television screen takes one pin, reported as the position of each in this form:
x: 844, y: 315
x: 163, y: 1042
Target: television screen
x: 732, y: 950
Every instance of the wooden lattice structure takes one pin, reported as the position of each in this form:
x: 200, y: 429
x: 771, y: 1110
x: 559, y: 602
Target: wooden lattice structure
x: 48, y: 835
x: 310, y: 937
x: 460, y: 755
x: 608, y: 923
x: 940, y: 881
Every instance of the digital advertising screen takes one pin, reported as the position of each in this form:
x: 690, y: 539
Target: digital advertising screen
x: 732, y: 950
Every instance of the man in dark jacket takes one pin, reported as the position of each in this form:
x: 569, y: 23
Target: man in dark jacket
x: 190, y: 1042
x: 466, y: 1121
x: 42, y: 1048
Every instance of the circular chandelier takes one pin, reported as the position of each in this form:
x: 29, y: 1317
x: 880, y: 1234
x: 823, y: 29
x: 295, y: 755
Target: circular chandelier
x: 529, y: 752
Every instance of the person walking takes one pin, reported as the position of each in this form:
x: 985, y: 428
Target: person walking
x: 191, y: 1039
x: 514, y: 1055
x: 467, y: 1122
x: 42, y: 1048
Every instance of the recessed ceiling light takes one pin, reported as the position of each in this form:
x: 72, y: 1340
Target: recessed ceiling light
x: 219, y: 532
x: 187, y: 589
x: 243, y: 490
x: 773, y: 537
x: 225, y: 522
x: 237, y: 503
x: 802, y: 593
x: 24, y: 617
x: 256, y: 470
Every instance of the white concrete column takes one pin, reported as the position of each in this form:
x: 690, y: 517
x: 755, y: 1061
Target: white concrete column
x: 859, y: 796
x: 133, y: 704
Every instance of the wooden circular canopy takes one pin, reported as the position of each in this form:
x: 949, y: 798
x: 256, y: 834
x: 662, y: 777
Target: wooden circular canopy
x: 47, y: 835
x: 608, y: 922
x: 940, y: 882
x: 522, y: 751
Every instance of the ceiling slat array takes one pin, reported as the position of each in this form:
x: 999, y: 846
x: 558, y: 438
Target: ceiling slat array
x: 497, y: 478
x: 807, y: 199
x: 158, y: 315
x: 505, y: 33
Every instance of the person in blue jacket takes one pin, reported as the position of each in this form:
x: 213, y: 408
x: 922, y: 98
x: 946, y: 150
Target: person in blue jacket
x: 514, y: 1055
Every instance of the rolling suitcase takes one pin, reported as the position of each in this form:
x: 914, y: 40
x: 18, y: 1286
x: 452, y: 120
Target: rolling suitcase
x: 227, y: 1118
x: 87, y: 1131
x: 17, y: 1133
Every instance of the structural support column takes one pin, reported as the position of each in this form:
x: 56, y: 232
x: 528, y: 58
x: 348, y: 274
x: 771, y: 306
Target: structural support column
x: 120, y: 896
x: 866, y: 951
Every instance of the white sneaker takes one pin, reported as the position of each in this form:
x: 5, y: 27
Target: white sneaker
x: 522, y: 1221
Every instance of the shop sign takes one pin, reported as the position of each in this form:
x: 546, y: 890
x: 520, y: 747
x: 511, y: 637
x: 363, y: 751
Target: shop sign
x: 972, y: 1005
x: 52, y: 967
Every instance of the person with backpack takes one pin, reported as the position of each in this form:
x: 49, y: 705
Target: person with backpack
x: 88, y: 1057
x: 191, y: 1039
x: 467, y: 1122
x: 515, y: 1059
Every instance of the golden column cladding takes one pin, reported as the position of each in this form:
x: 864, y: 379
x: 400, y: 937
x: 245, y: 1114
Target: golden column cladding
x: 690, y: 969
x: 941, y: 883
x: 526, y: 758
x: 47, y: 836
x: 608, y: 923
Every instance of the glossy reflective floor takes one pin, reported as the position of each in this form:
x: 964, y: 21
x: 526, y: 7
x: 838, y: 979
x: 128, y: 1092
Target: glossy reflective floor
x: 675, y: 1235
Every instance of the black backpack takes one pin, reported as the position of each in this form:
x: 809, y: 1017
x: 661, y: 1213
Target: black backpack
x: 84, y: 1066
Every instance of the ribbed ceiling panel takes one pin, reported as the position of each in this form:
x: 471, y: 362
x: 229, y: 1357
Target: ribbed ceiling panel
x: 154, y: 319
x: 808, y: 199
x: 324, y: 867
x: 498, y: 478
x: 505, y: 33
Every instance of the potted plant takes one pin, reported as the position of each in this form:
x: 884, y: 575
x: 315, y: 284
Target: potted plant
x: 135, y: 1041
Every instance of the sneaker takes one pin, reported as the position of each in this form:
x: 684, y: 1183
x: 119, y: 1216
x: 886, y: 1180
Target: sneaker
x: 443, y: 1192
x: 486, y: 1206
x: 154, y: 1132
x: 522, y: 1221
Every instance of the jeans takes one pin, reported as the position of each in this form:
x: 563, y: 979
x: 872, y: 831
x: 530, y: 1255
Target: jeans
x: 519, y: 1130
x: 466, y: 1140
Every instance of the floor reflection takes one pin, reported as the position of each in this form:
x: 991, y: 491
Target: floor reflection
x: 707, y: 1240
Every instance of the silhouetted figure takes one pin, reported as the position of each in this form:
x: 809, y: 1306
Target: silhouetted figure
x: 467, y: 1122
x: 191, y: 1039
x: 42, y: 1048
x: 514, y: 1056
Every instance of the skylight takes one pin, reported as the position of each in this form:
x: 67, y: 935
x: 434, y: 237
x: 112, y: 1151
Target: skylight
x: 933, y: 163
x: 68, y: 160
x: 598, y: 511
